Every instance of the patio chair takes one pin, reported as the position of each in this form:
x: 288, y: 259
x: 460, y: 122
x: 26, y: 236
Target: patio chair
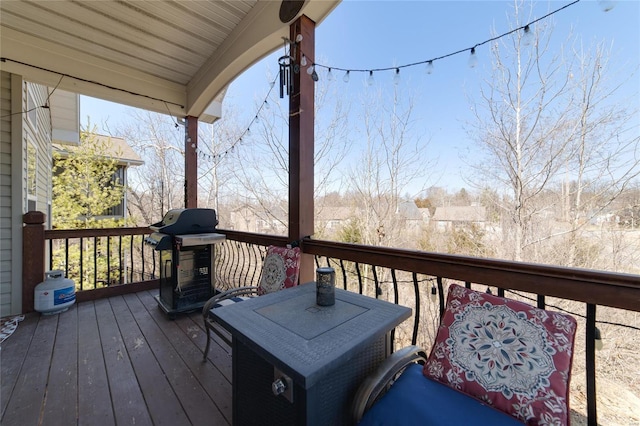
x: 495, y: 361
x: 280, y: 270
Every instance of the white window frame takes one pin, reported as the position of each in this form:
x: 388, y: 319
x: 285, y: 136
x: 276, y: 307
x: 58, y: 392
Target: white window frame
x: 32, y: 172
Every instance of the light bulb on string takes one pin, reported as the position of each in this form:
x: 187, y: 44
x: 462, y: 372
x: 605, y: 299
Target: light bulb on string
x: 473, y: 59
x: 346, y: 77
x: 311, y: 69
x: 303, y: 61
x: 257, y: 119
x: 598, y: 339
x: 370, y: 80
x: 299, y: 38
x: 396, y: 77
x: 266, y: 104
x: 314, y: 75
x: 434, y: 292
x: 429, y: 67
x: 527, y: 36
x: 606, y: 5
x: 248, y: 131
x: 329, y: 75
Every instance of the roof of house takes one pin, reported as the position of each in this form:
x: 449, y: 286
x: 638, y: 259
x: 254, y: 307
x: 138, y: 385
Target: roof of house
x: 409, y: 210
x: 460, y: 214
x: 118, y: 148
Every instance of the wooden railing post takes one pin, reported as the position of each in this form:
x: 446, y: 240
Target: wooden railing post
x: 32, y: 256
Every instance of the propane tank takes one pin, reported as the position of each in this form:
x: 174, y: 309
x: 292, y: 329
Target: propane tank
x: 55, y: 294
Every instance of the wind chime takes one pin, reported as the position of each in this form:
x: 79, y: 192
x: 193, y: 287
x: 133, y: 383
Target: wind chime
x: 288, y: 66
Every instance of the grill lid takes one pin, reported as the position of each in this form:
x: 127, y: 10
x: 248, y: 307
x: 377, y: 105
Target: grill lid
x: 187, y: 221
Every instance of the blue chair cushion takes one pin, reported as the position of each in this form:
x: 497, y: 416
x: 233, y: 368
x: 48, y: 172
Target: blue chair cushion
x: 416, y: 400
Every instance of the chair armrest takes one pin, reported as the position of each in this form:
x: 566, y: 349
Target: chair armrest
x: 376, y: 384
x: 234, y: 292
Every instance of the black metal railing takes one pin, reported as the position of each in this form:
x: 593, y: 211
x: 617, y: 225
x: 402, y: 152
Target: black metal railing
x: 420, y: 280
x: 411, y: 278
x: 98, y: 258
x: 239, y: 258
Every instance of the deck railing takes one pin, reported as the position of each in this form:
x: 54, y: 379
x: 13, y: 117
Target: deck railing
x: 411, y: 278
x: 98, y: 258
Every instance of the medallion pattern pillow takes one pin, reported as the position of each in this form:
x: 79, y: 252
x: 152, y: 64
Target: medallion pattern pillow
x: 280, y: 269
x: 508, y: 354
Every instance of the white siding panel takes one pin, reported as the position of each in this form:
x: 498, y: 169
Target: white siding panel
x: 5, y: 194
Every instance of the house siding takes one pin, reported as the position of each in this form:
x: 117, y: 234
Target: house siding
x: 40, y: 136
x: 18, y: 130
x: 6, y: 240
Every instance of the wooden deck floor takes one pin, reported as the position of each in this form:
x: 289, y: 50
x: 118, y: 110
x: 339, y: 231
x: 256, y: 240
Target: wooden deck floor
x: 114, y: 361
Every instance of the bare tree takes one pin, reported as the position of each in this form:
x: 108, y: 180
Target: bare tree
x: 158, y: 185
x: 262, y: 166
x: 393, y: 160
x: 605, y: 156
x: 542, y: 117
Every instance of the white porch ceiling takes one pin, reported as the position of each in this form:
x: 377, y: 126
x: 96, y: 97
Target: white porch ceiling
x: 166, y: 56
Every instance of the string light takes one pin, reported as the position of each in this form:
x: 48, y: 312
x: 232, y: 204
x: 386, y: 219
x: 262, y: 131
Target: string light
x: 396, y: 77
x: 527, y: 36
x: 606, y: 5
x: 473, y: 59
x: 256, y: 119
x: 329, y: 75
x: 597, y: 336
x: 429, y: 67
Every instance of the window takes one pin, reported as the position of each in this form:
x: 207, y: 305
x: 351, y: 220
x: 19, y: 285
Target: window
x: 117, y: 178
x: 32, y: 173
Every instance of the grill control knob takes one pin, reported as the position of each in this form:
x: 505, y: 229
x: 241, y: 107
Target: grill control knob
x: 278, y: 387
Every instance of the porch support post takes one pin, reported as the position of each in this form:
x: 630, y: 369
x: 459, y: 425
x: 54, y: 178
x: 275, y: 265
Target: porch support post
x: 32, y: 257
x: 190, y: 162
x: 301, y: 143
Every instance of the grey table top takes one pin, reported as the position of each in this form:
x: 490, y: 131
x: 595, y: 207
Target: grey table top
x: 305, y: 340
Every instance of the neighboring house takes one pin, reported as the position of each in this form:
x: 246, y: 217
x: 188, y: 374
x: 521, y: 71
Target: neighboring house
x: 247, y: 219
x: 126, y: 156
x: 452, y: 217
x: 414, y: 216
x: 330, y: 219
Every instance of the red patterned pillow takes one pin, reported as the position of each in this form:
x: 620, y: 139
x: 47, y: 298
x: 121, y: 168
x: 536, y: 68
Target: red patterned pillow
x: 280, y: 269
x: 508, y: 354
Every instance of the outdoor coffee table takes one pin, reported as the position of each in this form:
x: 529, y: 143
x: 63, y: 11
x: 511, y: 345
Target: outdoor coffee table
x: 297, y: 363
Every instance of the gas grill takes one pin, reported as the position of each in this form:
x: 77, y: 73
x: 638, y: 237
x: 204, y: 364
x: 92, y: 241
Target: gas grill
x: 185, y: 239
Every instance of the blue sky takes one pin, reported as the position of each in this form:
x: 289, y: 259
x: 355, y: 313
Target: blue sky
x: 369, y: 34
